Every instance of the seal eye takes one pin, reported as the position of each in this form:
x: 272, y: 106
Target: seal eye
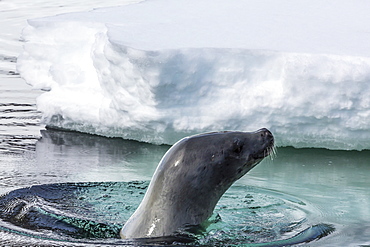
x: 238, y: 149
x: 238, y: 146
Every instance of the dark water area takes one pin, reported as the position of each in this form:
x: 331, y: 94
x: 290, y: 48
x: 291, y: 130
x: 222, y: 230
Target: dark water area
x: 277, y: 200
x: 93, y: 213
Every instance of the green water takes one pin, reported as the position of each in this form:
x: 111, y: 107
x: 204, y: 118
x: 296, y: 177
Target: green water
x: 277, y: 200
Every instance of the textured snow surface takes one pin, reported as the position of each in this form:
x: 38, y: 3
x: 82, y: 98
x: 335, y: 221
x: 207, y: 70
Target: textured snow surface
x: 159, y: 70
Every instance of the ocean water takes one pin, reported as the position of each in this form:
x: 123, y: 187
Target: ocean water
x: 278, y: 199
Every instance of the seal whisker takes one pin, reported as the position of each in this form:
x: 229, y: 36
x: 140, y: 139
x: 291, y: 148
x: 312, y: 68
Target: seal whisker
x: 272, y: 152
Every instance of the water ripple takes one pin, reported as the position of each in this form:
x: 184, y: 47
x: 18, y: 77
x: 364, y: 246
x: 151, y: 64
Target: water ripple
x: 19, y: 126
x: 93, y: 213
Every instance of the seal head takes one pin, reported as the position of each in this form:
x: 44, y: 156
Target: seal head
x: 191, y: 178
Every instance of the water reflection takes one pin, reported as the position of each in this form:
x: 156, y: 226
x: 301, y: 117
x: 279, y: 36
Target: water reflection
x: 94, y: 158
x: 61, y: 156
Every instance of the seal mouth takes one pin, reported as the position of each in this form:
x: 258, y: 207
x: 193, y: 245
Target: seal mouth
x: 270, y: 150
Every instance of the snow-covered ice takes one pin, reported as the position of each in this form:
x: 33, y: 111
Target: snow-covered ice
x: 159, y: 70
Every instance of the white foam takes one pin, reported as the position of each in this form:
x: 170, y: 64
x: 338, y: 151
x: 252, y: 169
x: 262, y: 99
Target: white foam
x: 159, y: 70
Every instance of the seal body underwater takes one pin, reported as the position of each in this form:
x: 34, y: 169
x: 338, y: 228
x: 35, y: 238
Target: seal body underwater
x: 191, y: 178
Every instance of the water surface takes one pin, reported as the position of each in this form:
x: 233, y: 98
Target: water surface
x: 305, y: 186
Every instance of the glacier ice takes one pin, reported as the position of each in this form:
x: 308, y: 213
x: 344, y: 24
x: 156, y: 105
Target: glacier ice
x: 159, y: 70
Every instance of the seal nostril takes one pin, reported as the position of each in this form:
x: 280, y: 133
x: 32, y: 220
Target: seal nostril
x: 266, y: 133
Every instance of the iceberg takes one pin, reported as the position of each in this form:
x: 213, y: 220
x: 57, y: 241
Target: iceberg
x: 159, y: 70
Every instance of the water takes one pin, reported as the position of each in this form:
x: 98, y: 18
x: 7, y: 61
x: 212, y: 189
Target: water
x: 275, y: 201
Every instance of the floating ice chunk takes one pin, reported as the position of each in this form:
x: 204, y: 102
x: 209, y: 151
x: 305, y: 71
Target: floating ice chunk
x: 159, y: 70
